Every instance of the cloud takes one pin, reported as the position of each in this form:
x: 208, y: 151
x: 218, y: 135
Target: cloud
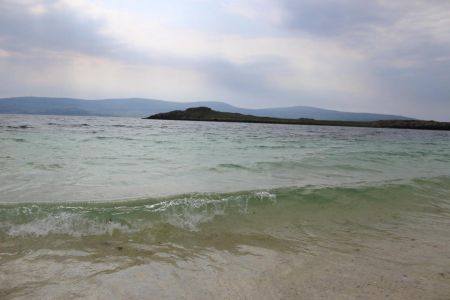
x: 51, y: 27
x: 330, y: 17
x: 405, y: 45
x: 380, y: 55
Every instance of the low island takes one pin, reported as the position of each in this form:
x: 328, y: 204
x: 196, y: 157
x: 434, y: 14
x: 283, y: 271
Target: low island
x: 210, y: 115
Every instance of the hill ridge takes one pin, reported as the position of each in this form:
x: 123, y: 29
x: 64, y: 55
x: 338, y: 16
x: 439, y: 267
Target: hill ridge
x: 142, y: 107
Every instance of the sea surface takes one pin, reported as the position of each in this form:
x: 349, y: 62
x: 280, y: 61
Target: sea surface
x: 123, y: 208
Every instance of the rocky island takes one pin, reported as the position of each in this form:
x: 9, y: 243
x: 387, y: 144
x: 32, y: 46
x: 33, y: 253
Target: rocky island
x: 210, y: 115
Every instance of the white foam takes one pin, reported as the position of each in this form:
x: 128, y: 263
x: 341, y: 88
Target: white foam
x: 189, y: 213
x: 66, y: 223
x: 264, y: 195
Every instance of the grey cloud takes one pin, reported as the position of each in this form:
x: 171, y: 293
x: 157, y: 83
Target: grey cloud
x: 250, y: 84
x: 329, y: 17
x: 247, y: 78
x: 57, y: 29
x: 62, y: 30
x: 410, y: 66
x: 419, y: 89
x: 422, y: 91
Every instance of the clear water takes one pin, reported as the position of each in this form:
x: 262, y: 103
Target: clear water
x: 59, y: 159
x: 133, y: 208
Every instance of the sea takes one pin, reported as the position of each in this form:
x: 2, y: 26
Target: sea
x: 128, y: 208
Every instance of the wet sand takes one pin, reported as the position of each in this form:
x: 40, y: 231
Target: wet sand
x: 412, y: 262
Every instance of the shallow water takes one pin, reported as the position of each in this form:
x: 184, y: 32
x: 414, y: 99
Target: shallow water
x: 126, y: 208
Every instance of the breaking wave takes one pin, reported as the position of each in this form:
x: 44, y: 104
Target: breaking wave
x: 192, y: 211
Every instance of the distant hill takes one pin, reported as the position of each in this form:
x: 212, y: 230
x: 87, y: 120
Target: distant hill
x: 137, y: 107
x: 210, y: 115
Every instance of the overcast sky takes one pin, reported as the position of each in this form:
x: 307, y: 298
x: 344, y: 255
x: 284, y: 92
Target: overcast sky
x: 376, y: 55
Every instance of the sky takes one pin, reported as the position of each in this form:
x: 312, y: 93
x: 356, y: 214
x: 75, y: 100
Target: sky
x: 379, y: 56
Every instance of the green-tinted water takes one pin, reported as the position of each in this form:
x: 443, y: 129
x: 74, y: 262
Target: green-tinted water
x: 125, y: 208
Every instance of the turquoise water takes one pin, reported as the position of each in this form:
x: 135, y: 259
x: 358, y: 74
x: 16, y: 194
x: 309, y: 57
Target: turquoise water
x: 58, y: 159
x: 269, y: 211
